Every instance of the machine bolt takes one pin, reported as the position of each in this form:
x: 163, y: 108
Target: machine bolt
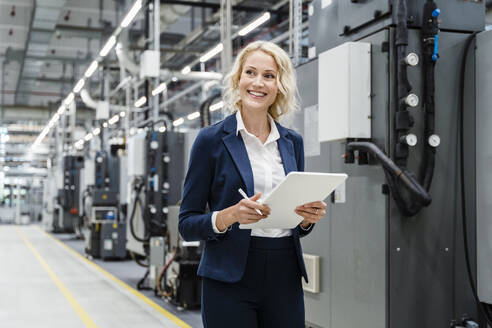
x: 412, y: 59
x: 434, y: 140
x: 409, y: 139
x: 412, y: 100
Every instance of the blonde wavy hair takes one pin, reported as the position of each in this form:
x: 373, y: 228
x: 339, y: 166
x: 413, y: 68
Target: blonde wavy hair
x: 286, y: 100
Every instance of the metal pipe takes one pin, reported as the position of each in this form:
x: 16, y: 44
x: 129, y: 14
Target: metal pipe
x: 182, y: 94
x: 191, y: 76
x: 157, y: 46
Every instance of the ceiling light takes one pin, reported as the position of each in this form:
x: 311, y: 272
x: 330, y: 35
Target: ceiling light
x: 162, y: 87
x: 92, y: 68
x: 69, y: 99
x: 174, y: 79
x: 140, y: 101
x: 61, y: 110
x: 254, y: 24
x: 186, y: 70
x: 96, y: 131
x: 131, y: 14
x: 216, y: 106
x: 178, y: 122
x: 212, y: 52
x: 105, y: 124
x: 114, y: 119
x: 162, y: 129
x: 108, y: 46
x: 88, y: 137
x: 122, y: 114
x: 193, y: 116
x: 79, y: 86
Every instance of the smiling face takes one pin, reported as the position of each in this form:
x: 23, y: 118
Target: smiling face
x: 258, y: 82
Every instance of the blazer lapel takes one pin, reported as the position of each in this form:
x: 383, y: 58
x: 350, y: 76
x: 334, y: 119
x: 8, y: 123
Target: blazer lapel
x: 235, y: 145
x: 286, y: 149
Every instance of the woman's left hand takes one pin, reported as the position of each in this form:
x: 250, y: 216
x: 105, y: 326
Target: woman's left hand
x: 311, y: 212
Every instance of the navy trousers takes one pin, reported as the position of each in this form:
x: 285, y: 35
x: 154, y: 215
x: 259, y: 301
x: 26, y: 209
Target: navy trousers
x: 268, y: 295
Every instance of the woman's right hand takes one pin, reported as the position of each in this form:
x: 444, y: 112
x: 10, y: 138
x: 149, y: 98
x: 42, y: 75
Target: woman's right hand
x: 243, y: 212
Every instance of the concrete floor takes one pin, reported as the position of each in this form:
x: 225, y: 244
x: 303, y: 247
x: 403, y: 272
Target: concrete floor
x: 44, y: 283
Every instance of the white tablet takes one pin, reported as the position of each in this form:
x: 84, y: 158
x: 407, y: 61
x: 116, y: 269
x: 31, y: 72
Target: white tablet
x: 296, y: 189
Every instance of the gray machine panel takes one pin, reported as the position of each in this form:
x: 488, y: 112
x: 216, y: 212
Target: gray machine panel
x: 326, y: 25
x: 484, y: 166
x: 351, y: 240
x: 353, y: 14
x: 428, y: 286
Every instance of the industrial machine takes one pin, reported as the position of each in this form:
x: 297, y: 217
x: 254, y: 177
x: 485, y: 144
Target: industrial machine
x: 156, y: 165
x: 173, y: 265
x: 390, y: 98
x: 66, y: 210
x: 107, y: 232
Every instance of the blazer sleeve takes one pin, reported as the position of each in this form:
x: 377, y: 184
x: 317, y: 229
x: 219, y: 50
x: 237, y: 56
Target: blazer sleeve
x: 194, y: 222
x: 299, y: 152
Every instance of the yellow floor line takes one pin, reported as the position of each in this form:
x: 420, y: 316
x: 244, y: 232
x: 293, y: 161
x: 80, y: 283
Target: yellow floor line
x: 76, y: 306
x: 136, y: 293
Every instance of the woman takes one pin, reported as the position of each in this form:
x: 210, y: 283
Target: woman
x: 251, y: 277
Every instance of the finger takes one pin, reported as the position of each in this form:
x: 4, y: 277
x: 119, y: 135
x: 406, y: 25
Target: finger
x: 313, y: 218
x: 254, y: 198
x: 255, y: 205
x: 317, y: 204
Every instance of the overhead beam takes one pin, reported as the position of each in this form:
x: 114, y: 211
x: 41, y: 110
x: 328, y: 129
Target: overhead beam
x: 215, y: 6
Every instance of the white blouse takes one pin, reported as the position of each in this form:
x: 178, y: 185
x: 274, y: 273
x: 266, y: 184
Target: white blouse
x: 267, y: 167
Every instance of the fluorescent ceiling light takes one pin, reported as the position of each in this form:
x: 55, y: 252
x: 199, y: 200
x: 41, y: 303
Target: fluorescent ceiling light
x: 212, y: 52
x: 122, y: 114
x: 92, y: 68
x: 193, y: 116
x: 69, y: 99
x: 105, y: 124
x: 131, y: 14
x: 108, y: 46
x: 56, y: 117
x: 159, y: 89
x: 61, y: 110
x: 114, y: 119
x: 186, y: 70
x: 88, y: 137
x: 254, y: 24
x: 162, y: 129
x: 79, y: 86
x: 179, y: 121
x: 140, y: 101
x: 96, y: 131
x: 216, y: 106
x: 174, y: 79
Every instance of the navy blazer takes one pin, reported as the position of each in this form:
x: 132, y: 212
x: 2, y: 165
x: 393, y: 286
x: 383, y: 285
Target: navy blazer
x: 218, y: 167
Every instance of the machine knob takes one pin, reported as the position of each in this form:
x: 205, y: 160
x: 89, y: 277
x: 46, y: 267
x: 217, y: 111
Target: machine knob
x: 99, y: 159
x: 410, y: 139
x: 412, y: 59
x: 166, y: 159
x: 152, y: 209
x: 165, y: 185
x: 154, y: 144
x: 165, y: 210
x: 412, y: 100
x: 434, y: 140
